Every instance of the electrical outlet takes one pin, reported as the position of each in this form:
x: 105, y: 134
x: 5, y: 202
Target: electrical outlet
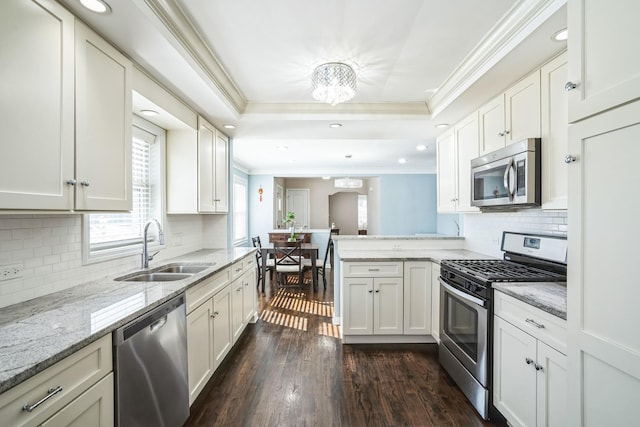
x: 396, y: 247
x: 177, y: 239
x: 8, y: 272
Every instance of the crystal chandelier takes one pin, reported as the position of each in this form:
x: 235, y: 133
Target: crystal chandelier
x: 348, y: 183
x: 334, y: 83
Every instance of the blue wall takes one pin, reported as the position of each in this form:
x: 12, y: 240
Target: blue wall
x: 260, y: 213
x: 408, y: 204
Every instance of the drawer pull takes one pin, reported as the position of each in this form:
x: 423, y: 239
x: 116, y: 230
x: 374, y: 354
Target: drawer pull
x: 528, y: 361
x: 374, y: 269
x: 50, y: 393
x: 538, y: 367
x: 534, y: 323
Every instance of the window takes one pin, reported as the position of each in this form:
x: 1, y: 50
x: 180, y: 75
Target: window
x: 107, y: 236
x: 240, y: 211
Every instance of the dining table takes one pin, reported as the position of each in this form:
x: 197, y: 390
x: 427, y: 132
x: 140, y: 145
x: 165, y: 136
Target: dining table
x: 308, y: 249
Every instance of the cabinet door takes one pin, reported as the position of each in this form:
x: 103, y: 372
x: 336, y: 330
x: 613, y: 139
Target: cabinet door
x: 492, y: 127
x: 93, y: 408
x: 604, y: 350
x: 357, y: 307
x: 388, y: 306
x: 221, y: 174
x: 37, y: 108
x: 522, y: 109
x: 200, y: 348
x: 417, y: 298
x: 103, y: 124
x: 446, y: 176
x: 237, y: 311
x: 555, y: 133
x: 467, y: 144
x: 601, y: 62
x: 514, y: 373
x: 551, y: 387
x: 222, y: 336
x: 435, y: 301
x: 206, y: 146
x: 249, y: 295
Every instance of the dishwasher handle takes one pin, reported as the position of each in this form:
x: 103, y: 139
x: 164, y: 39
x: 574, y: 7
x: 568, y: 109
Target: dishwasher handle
x: 154, y: 319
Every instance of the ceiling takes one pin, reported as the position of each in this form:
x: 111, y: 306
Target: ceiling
x: 249, y: 63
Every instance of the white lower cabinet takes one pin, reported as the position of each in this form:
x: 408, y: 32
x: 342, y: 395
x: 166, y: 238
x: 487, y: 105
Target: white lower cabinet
x: 78, y: 391
x: 386, y: 302
x: 435, y: 302
x: 218, y: 310
x: 529, y: 376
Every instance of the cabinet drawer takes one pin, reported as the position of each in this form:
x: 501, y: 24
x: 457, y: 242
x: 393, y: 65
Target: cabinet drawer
x: 546, y: 327
x: 373, y: 269
x: 204, y: 290
x: 237, y: 268
x: 72, y: 375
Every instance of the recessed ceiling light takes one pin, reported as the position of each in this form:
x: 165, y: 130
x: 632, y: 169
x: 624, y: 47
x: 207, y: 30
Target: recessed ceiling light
x: 149, y: 113
x: 442, y: 125
x: 229, y: 126
x: 97, y: 6
x: 421, y: 147
x: 335, y: 125
x: 402, y: 160
x: 561, y: 35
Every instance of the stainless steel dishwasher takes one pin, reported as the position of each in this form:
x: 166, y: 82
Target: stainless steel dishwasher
x: 151, y: 368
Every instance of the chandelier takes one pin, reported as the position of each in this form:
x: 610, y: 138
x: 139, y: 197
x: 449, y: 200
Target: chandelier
x: 348, y: 183
x: 333, y: 83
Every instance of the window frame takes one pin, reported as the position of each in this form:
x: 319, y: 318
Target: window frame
x: 244, y: 182
x: 136, y: 248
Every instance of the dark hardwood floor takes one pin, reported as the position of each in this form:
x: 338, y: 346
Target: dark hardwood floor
x: 291, y: 369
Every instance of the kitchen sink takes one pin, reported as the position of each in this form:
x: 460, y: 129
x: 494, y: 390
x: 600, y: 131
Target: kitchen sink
x: 153, y: 277
x: 166, y: 273
x: 183, y: 268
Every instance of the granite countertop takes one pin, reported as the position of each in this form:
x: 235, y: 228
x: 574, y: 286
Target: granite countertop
x: 434, y: 255
x: 38, y: 333
x: 547, y: 296
x: 403, y: 237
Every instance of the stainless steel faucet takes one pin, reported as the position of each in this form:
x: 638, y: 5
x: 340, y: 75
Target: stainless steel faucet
x: 145, y: 252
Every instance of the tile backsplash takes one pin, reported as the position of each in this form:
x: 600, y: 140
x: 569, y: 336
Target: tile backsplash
x: 49, y: 249
x: 483, y: 231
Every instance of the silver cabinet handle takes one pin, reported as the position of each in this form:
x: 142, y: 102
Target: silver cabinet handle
x: 50, y: 393
x: 239, y: 289
x: 528, y: 361
x: 374, y: 269
x: 71, y: 182
x: 215, y: 313
x: 570, y: 86
x: 569, y: 159
x: 507, y: 132
x: 370, y: 291
x: 538, y: 367
x: 85, y: 183
x: 534, y: 323
x: 377, y: 291
x: 500, y: 133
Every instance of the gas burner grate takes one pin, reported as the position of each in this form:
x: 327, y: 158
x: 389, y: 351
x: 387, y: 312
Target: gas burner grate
x: 492, y: 270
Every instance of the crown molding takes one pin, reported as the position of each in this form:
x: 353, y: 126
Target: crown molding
x: 319, y: 111
x: 509, y: 32
x: 183, y: 32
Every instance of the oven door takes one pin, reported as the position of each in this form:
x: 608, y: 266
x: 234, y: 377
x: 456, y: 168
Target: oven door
x: 463, y: 329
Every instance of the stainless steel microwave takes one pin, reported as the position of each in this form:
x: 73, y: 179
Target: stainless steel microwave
x: 508, y: 177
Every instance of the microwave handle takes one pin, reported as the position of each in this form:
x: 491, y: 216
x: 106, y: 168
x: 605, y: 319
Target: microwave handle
x: 507, y: 172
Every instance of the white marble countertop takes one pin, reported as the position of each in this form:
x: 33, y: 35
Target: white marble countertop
x: 402, y: 237
x: 435, y: 255
x: 547, y: 296
x: 38, y: 333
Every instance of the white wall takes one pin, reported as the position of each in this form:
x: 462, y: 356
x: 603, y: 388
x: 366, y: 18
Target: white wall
x: 49, y: 248
x: 483, y: 231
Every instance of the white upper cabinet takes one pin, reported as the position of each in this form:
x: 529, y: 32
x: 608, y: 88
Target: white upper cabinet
x: 604, y: 64
x: 58, y: 155
x: 36, y: 112
x: 213, y: 169
x: 555, y: 136
x: 455, y: 150
x: 104, y: 83
x: 512, y: 116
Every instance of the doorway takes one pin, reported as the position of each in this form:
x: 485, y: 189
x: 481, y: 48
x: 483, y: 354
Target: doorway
x: 343, y: 211
x: 298, y: 203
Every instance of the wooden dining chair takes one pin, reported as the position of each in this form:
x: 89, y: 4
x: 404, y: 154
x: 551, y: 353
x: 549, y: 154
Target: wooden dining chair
x: 270, y: 263
x: 321, y: 264
x: 289, y: 266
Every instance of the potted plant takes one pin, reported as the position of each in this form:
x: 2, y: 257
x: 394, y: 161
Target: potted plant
x: 289, y: 220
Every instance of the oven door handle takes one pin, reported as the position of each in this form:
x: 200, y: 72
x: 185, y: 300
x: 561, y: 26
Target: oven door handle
x: 465, y: 296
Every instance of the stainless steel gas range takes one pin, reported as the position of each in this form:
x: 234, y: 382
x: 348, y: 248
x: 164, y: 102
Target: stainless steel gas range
x: 466, y: 309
